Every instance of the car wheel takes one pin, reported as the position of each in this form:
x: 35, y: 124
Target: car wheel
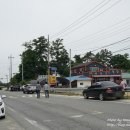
x: 101, y: 97
x: 85, y: 96
x: 3, y: 117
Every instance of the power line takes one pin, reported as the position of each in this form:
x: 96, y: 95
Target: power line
x: 93, y: 17
x: 121, y: 50
x: 106, y: 36
x: 82, y: 18
x: 123, y: 40
x: 100, y: 31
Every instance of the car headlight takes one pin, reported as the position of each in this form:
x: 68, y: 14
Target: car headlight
x: 1, y: 103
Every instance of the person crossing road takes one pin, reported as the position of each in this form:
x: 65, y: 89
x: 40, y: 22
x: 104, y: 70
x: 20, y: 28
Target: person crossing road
x: 46, y: 89
x: 38, y: 89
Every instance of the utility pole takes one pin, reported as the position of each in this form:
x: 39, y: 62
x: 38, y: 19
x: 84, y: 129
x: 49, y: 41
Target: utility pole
x: 22, y: 69
x: 7, y: 78
x: 10, y: 57
x: 70, y: 68
x: 48, y: 60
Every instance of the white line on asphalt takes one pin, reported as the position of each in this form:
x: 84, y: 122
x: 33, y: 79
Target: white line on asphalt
x: 47, y: 120
x: 76, y: 116
x: 30, y: 96
x: 23, y: 96
x: 96, y: 112
x: 123, y: 102
x: 34, y: 123
x: 11, y: 109
x: 12, y: 97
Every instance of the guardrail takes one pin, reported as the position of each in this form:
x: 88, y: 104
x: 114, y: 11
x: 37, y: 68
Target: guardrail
x: 74, y: 90
x: 67, y: 90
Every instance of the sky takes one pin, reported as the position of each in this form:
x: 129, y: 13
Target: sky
x: 84, y: 25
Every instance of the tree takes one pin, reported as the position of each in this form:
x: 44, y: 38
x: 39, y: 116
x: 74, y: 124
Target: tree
x: 34, y: 58
x: 40, y: 46
x: 89, y: 56
x: 60, y: 58
x: 104, y: 57
x: 120, y: 61
x: 78, y: 59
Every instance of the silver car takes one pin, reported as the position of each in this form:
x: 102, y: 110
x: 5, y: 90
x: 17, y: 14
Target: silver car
x: 2, y: 106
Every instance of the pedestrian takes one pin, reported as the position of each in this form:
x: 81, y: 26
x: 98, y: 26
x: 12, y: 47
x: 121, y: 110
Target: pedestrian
x: 123, y: 84
x: 46, y: 89
x: 38, y: 89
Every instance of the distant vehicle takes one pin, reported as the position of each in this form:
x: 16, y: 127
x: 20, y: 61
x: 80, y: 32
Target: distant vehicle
x: 104, y: 90
x: 2, y: 106
x: 29, y: 89
x: 15, y: 88
x: 23, y: 86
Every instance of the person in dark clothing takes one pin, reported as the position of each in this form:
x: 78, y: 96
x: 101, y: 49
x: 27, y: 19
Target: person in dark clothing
x: 38, y: 89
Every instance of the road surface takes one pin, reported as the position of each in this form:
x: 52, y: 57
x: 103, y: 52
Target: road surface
x: 26, y: 112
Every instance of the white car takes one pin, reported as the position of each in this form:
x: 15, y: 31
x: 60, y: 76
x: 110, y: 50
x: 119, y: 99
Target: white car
x: 2, y: 106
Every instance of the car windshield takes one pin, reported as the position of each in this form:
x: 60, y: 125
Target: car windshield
x: 108, y: 84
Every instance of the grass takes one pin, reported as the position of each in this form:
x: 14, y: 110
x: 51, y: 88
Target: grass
x: 127, y: 95
x: 66, y: 93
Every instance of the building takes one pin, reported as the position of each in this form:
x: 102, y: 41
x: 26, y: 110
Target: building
x: 96, y: 71
x: 79, y: 81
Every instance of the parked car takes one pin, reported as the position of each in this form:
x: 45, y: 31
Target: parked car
x: 2, y: 106
x: 104, y: 90
x: 29, y: 89
x: 15, y: 88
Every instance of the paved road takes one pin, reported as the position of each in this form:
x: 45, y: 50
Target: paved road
x: 26, y: 112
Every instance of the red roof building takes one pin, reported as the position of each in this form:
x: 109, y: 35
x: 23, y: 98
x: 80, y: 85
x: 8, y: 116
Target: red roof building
x: 96, y: 71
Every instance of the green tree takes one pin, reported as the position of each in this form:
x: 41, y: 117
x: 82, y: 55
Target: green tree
x: 120, y: 61
x: 89, y: 56
x: 34, y: 58
x: 78, y: 59
x: 40, y: 46
x: 60, y: 58
x: 104, y: 57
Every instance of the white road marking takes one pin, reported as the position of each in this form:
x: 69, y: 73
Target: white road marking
x: 34, y: 123
x: 96, y: 112
x: 23, y: 96
x: 30, y: 95
x: 123, y: 102
x: 47, y: 120
x: 11, y: 109
x: 12, y: 97
x: 76, y: 116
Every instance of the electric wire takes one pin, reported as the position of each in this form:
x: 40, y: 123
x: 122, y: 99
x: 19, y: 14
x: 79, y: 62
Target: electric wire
x: 100, y: 31
x: 92, y: 18
x: 82, y: 18
x: 123, y: 40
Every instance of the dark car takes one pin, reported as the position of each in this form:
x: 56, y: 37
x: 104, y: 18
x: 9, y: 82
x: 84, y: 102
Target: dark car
x: 29, y: 89
x: 104, y: 90
x: 15, y: 88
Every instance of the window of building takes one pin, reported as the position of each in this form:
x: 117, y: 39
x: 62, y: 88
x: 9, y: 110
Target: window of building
x: 80, y: 69
x: 81, y: 84
x: 94, y: 69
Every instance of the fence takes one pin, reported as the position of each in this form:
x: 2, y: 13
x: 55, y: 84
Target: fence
x: 74, y: 90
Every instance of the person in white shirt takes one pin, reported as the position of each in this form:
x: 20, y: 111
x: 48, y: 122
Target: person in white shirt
x: 46, y: 88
